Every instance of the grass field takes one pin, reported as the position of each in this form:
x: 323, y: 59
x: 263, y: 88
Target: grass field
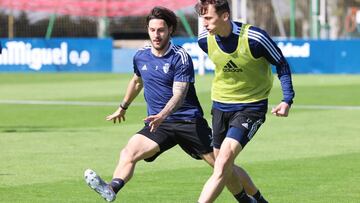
x: 47, y: 141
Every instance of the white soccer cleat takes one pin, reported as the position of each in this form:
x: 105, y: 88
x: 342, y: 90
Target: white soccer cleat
x: 96, y: 183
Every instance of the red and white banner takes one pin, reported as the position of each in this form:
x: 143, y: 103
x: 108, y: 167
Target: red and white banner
x: 110, y: 8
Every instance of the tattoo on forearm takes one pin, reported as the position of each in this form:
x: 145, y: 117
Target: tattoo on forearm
x: 180, y: 90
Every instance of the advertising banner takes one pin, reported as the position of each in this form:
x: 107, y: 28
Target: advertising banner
x: 304, y: 56
x: 56, y: 55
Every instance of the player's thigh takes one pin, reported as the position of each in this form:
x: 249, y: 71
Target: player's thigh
x: 244, y: 124
x: 194, y: 138
x: 209, y: 158
x: 220, y: 126
x: 140, y: 147
x: 163, y: 137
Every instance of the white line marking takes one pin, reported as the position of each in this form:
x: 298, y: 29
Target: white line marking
x: 71, y: 103
x: 94, y: 103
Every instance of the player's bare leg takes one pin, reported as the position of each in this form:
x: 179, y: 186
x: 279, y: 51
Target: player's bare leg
x: 139, y: 147
x: 240, y: 175
x: 237, y: 180
x: 223, y: 170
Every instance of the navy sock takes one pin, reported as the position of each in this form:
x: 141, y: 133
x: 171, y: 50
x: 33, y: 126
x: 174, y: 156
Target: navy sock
x: 259, y: 198
x: 242, y: 197
x: 116, y: 184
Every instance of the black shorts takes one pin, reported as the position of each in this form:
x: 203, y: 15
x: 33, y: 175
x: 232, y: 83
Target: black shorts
x: 245, y: 124
x: 194, y: 137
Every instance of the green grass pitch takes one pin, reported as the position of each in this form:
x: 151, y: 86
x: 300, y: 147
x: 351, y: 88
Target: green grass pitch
x: 311, y: 156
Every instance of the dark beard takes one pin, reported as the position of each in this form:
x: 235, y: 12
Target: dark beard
x: 162, y: 46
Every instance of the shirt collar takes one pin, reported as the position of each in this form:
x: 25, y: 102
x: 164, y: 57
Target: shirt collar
x: 235, y: 27
x: 169, y: 49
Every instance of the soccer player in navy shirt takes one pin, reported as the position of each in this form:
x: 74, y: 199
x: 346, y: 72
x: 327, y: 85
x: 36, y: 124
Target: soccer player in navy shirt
x: 165, y: 72
x: 242, y: 55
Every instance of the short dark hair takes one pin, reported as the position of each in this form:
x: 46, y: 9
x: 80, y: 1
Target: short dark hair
x: 221, y: 6
x: 166, y: 14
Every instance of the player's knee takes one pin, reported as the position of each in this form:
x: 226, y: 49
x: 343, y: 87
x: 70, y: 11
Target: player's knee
x: 223, y: 168
x: 127, y: 155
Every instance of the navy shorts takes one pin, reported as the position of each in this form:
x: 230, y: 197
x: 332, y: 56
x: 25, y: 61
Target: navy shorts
x: 239, y: 125
x: 194, y: 137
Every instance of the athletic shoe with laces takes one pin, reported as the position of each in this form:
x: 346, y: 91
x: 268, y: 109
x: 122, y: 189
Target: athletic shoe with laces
x: 96, y: 183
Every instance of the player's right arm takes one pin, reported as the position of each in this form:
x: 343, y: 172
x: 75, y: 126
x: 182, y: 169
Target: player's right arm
x: 180, y: 90
x: 134, y: 88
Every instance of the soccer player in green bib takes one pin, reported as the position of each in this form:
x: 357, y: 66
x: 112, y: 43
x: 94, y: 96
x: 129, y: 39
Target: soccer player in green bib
x: 242, y: 55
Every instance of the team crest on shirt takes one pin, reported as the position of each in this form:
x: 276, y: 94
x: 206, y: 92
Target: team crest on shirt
x: 166, y: 67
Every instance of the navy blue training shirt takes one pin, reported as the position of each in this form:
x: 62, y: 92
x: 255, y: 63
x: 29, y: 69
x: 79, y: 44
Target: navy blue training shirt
x: 158, y: 75
x: 261, y: 45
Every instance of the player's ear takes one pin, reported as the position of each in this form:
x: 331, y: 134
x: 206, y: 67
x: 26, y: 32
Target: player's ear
x: 226, y: 16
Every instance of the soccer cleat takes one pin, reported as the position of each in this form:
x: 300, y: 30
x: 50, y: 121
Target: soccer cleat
x: 96, y: 183
x: 252, y: 199
x: 262, y: 200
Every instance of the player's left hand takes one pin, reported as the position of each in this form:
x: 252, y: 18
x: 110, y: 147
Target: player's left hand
x: 281, y: 110
x: 155, y: 121
x: 118, y: 115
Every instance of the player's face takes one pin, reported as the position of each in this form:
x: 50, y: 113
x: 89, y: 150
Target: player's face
x: 159, y: 33
x: 213, y: 22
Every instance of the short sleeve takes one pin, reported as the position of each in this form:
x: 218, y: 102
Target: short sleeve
x: 136, y: 69
x: 184, y: 68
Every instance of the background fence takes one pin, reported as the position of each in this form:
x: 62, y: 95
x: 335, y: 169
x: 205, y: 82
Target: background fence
x: 124, y: 19
x: 296, y: 25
